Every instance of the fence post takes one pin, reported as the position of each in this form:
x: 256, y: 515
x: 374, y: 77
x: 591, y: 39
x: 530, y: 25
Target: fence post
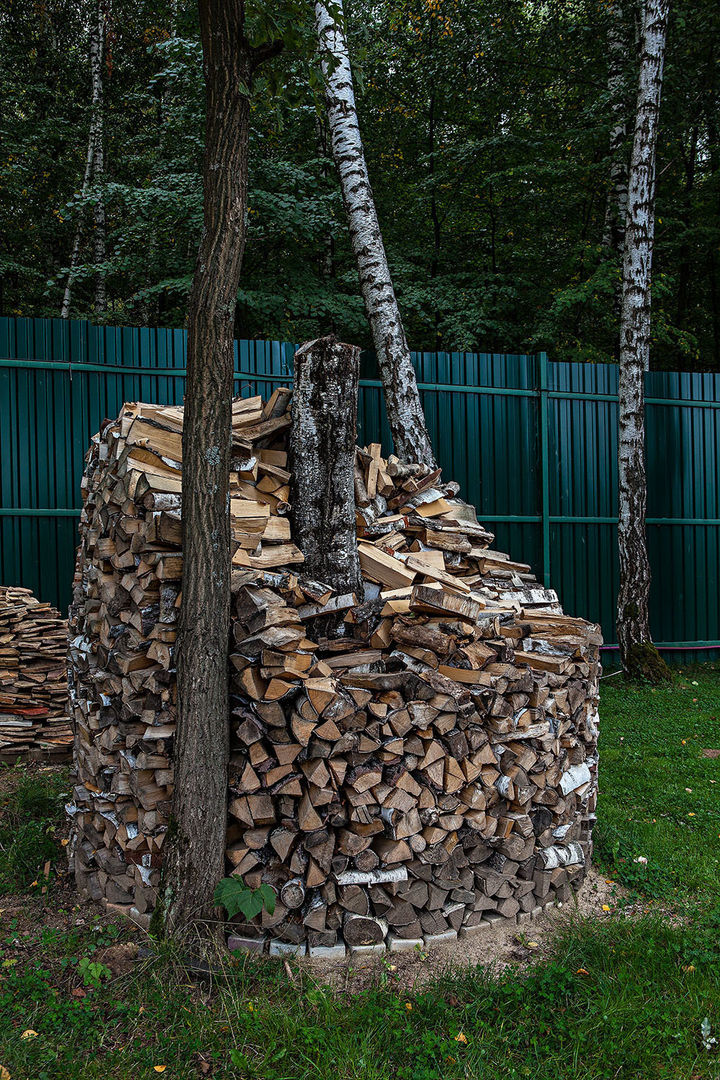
x: 544, y: 465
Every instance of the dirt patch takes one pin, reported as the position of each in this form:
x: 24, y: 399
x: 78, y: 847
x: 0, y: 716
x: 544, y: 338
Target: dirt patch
x: 119, y: 958
x: 504, y: 944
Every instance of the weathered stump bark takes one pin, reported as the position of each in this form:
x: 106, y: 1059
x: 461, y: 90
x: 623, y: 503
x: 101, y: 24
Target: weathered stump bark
x: 322, y: 459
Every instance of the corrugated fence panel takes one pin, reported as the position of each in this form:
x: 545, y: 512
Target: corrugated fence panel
x: 499, y: 423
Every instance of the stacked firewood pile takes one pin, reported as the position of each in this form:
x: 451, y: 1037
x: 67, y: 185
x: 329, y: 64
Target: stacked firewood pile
x: 33, y: 679
x: 407, y: 764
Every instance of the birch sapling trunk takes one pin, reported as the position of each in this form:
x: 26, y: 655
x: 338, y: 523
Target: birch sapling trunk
x: 402, y: 399
x: 95, y: 136
x: 322, y: 459
x: 194, y: 857
x: 638, y: 656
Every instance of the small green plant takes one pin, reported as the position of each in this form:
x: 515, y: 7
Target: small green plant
x: 92, y: 972
x: 237, y: 899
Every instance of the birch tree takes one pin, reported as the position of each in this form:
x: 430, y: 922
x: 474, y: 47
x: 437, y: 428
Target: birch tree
x: 402, y: 399
x: 94, y: 167
x: 619, y: 54
x: 637, y: 654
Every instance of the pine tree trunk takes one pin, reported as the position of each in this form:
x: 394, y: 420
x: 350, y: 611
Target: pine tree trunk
x: 402, y: 399
x: 322, y: 458
x: 638, y: 656
x: 96, y: 50
x: 194, y: 858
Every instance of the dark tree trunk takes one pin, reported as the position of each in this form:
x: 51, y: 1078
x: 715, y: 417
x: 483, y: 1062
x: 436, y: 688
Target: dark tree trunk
x: 194, y: 858
x: 322, y: 459
x: 637, y: 654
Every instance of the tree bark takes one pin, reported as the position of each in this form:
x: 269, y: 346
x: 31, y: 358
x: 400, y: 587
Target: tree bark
x: 98, y: 176
x: 619, y: 57
x: 94, y: 150
x: 402, y: 399
x: 194, y: 857
x: 322, y: 459
x: 637, y: 654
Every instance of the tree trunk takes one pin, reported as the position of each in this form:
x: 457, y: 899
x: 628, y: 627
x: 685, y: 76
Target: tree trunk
x: 619, y: 56
x: 96, y: 49
x: 194, y: 858
x: 322, y: 460
x: 685, y: 256
x: 402, y: 399
x: 98, y: 177
x: 637, y: 654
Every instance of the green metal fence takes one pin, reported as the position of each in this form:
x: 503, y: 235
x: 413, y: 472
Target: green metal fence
x: 533, y: 444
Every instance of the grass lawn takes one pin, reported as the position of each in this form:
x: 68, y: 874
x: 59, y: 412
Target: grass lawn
x: 623, y: 996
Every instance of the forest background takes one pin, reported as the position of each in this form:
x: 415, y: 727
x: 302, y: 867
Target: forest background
x: 487, y: 129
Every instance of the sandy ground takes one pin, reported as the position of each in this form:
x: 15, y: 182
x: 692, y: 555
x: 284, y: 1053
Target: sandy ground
x: 504, y: 944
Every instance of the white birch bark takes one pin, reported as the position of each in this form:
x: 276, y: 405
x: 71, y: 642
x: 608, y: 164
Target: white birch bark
x: 619, y: 60
x: 402, y: 399
x: 103, y: 12
x: 94, y: 158
x: 633, y: 625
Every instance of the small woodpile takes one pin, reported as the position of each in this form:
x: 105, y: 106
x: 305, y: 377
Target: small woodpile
x: 33, y: 679
x: 407, y: 764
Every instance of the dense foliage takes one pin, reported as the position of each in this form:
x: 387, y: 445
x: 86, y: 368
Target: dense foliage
x: 487, y: 135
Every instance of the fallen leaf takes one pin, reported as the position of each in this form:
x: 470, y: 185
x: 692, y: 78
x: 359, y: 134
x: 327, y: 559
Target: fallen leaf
x: 4, y: 1073
x: 461, y: 1038
x: 408, y: 1006
x: 582, y: 971
x: 159, y: 1068
x: 688, y: 967
x: 533, y: 945
x: 65, y: 841
x: 606, y: 907
x: 29, y: 1034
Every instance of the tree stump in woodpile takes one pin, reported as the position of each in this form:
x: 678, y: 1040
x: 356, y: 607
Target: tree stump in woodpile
x: 322, y: 460
x: 428, y: 766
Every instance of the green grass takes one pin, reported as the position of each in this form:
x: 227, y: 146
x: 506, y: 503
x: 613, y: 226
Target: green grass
x: 621, y: 998
x: 31, y: 805
x: 659, y: 795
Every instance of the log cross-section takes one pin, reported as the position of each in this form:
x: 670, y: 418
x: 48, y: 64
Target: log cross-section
x: 322, y: 456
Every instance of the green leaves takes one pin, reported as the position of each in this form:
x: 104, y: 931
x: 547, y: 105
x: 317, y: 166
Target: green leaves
x: 237, y: 899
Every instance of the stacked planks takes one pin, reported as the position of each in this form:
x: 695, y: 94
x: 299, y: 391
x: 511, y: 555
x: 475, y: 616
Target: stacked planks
x: 406, y: 765
x: 33, y: 679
